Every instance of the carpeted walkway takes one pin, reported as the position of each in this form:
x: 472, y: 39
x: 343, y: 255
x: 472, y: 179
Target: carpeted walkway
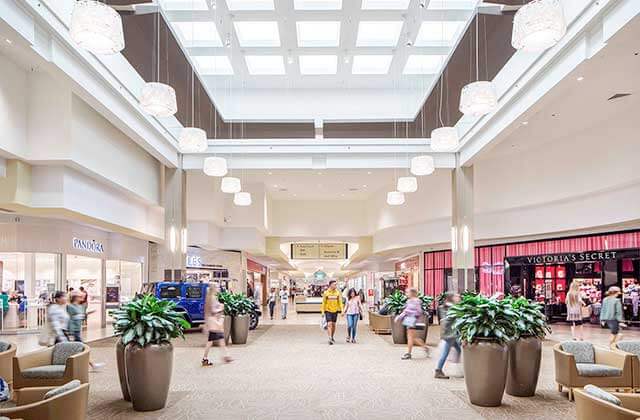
x: 289, y: 372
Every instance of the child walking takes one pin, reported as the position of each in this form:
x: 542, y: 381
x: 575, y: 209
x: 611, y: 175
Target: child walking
x: 214, y: 316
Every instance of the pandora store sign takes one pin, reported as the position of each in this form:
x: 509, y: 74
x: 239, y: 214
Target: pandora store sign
x: 88, y: 245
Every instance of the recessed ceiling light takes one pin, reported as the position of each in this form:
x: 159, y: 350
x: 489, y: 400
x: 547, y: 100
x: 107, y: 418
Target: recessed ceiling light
x: 371, y: 64
x: 525, y: 122
x: 319, y: 173
x: 385, y: 4
x: 378, y: 34
x: 580, y: 78
x: 184, y: 5
x: 250, y: 4
x: 275, y: 186
x: 424, y: 64
x: 369, y: 173
x: 434, y: 33
x: 318, y: 34
x: 213, y: 64
x: 270, y: 173
x: 364, y: 186
x: 198, y: 33
x: 257, y: 34
x: 8, y: 41
x: 317, y: 4
x: 451, y: 4
x: 318, y: 64
x: 265, y: 64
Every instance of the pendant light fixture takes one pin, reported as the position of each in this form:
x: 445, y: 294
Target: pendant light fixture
x: 422, y: 165
x: 242, y: 199
x: 395, y: 198
x: 444, y: 138
x: 478, y: 98
x: 96, y: 27
x: 156, y: 98
x: 192, y: 139
x: 230, y: 185
x: 538, y: 25
x: 407, y: 184
x: 215, y: 166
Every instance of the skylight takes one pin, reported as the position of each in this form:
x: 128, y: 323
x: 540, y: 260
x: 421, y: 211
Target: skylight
x: 257, y: 34
x: 265, y: 65
x: 378, y: 34
x: 371, y: 64
x: 385, y: 4
x: 200, y: 33
x: 444, y: 33
x: 424, y: 64
x: 318, y: 34
x: 250, y: 4
x: 452, y: 4
x: 213, y: 65
x: 318, y: 64
x: 317, y: 4
x: 184, y: 5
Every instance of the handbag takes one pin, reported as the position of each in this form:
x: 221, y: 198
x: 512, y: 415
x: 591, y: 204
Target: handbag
x: 361, y: 316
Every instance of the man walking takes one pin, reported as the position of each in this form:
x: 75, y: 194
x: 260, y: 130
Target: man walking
x: 331, y: 306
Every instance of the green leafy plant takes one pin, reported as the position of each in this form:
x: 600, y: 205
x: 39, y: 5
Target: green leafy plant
x: 440, y: 297
x: 531, y: 319
x: 236, y: 304
x: 427, y: 301
x: 477, y: 317
x: 396, y: 302
x: 148, y: 320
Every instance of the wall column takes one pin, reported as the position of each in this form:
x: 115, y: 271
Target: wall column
x: 462, y: 243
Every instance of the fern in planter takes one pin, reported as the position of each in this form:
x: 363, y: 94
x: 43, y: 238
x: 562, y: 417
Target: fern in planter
x: 477, y: 317
x: 531, y: 319
x: 396, y: 302
x: 148, y: 320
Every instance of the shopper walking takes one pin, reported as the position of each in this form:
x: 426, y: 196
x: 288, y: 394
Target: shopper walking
x: 354, y: 314
x: 76, y: 316
x: 410, y: 317
x: 448, y: 338
x: 214, y: 324
x: 58, y: 317
x: 574, y: 310
x: 611, y: 314
x: 272, y: 301
x: 331, y: 307
x: 284, y: 302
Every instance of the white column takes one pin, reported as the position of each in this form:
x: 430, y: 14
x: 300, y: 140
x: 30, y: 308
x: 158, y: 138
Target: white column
x: 462, y: 228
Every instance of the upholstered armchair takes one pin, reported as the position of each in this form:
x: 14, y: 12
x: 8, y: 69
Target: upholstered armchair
x: 578, y: 363
x: 68, y: 402
x: 380, y: 324
x: 53, y: 366
x: 7, y: 352
x: 632, y: 348
x: 592, y: 407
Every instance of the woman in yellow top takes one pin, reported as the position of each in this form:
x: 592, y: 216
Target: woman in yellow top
x: 331, y: 306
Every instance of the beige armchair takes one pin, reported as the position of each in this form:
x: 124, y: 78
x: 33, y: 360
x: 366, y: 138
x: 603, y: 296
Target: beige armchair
x: 8, y: 351
x: 53, y: 366
x: 603, y: 368
x: 589, y: 407
x: 632, y: 348
x: 31, y: 405
x: 380, y: 324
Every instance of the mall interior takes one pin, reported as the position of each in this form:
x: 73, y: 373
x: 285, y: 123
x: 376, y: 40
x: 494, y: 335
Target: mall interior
x: 311, y: 187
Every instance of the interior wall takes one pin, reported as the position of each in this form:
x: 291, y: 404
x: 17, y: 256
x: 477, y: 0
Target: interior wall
x: 13, y: 108
x: 319, y: 218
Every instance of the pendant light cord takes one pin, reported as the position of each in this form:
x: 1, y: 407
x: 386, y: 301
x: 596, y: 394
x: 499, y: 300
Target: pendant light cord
x: 477, y: 55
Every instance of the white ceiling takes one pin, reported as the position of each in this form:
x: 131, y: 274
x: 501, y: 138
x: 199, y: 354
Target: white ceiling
x: 340, y: 46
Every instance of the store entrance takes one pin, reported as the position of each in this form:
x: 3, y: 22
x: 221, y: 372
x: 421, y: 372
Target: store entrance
x: 86, y: 272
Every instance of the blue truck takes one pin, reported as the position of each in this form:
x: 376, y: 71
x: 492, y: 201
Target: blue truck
x: 189, y: 299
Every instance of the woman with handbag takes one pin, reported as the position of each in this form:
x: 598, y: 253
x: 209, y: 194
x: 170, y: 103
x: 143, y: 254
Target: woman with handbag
x: 354, y: 313
x: 410, y: 316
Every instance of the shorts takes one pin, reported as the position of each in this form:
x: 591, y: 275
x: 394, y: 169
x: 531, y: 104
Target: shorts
x: 575, y: 322
x: 216, y: 336
x: 614, y: 326
x: 331, y: 316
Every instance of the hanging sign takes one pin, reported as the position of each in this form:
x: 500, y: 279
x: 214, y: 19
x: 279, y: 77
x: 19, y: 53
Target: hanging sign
x: 319, y: 251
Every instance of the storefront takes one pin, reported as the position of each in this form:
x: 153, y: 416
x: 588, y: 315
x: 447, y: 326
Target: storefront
x: 223, y: 268
x: 40, y: 256
x: 407, y: 271
x: 257, y: 282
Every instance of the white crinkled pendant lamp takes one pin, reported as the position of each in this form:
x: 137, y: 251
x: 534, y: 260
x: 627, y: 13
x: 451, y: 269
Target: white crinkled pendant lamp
x: 478, y: 98
x: 395, y: 198
x: 538, y: 25
x: 192, y: 140
x: 242, y: 199
x: 158, y: 99
x: 230, y: 185
x: 422, y: 165
x: 215, y: 166
x: 96, y: 27
x: 407, y: 184
x: 444, y: 139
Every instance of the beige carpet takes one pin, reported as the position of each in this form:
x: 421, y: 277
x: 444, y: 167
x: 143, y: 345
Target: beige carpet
x: 289, y: 372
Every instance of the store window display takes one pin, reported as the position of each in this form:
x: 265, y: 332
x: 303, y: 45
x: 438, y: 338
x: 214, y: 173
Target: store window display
x: 124, y: 280
x: 86, y: 273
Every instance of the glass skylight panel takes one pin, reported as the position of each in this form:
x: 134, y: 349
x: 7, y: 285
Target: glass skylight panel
x: 371, y: 64
x: 257, y: 34
x: 250, y: 4
x: 198, y: 33
x: 218, y: 65
x: 378, y: 34
x: 435, y: 33
x: 385, y: 4
x: 317, y: 4
x: 265, y: 65
x: 184, y: 5
x: 318, y: 64
x: 318, y: 34
x: 451, y: 4
x: 424, y: 64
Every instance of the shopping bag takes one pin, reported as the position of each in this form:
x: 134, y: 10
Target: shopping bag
x: 323, y: 323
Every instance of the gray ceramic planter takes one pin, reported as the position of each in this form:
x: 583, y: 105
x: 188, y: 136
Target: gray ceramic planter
x: 122, y: 375
x: 148, y: 372
x: 485, y: 371
x: 524, y: 367
x: 240, y: 329
x: 398, y: 332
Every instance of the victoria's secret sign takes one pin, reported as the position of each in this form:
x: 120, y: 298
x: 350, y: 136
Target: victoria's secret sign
x: 574, y: 257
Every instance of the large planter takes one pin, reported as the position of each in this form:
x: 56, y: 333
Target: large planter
x: 485, y: 371
x: 524, y: 367
x: 398, y: 331
x: 240, y: 329
x: 148, y: 371
x: 122, y: 375
x: 227, y: 329
x: 423, y: 333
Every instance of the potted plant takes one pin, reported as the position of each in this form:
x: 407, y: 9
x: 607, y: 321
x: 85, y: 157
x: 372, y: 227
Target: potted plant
x: 146, y: 326
x: 525, y: 352
x: 427, y: 302
x: 395, y: 304
x: 224, y: 297
x: 239, y: 307
x: 484, y: 326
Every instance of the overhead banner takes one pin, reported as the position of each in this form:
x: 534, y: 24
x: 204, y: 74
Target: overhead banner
x: 319, y: 251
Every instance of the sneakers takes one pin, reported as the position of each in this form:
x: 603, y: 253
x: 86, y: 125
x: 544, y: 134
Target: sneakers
x: 97, y: 366
x: 330, y: 342
x: 439, y: 374
x: 353, y: 341
x: 427, y: 351
x: 206, y: 363
x: 406, y: 356
x: 348, y: 340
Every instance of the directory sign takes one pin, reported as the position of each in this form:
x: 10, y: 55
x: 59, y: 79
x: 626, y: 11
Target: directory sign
x: 319, y: 251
